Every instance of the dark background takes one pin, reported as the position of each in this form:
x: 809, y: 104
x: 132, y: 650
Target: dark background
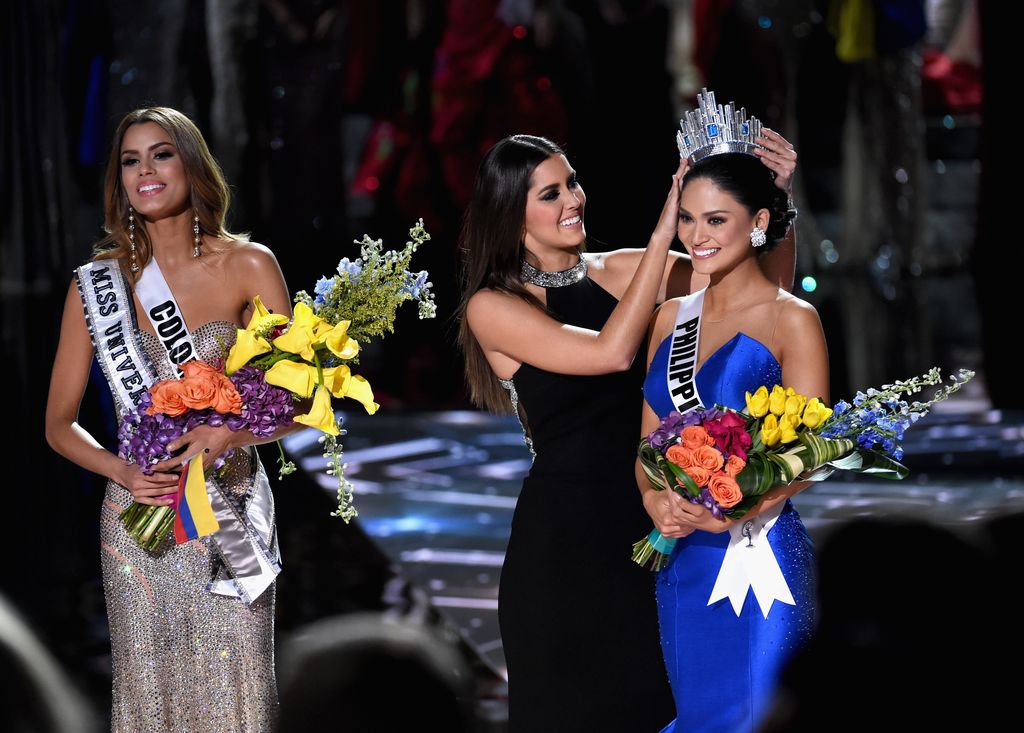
x: 335, y: 119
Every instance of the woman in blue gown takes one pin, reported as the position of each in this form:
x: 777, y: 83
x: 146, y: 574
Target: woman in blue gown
x: 559, y: 328
x: 724, y: 644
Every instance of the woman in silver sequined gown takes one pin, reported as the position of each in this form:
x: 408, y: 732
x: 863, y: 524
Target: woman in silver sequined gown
x: 183, y: 658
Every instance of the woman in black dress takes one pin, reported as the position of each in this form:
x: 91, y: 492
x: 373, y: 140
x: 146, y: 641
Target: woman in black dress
x: 553, y: 333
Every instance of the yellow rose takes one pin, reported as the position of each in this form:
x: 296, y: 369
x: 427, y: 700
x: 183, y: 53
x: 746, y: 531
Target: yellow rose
x: 321, y: 414
x: 770, y: 433
x: 297, y: 378
x: 301, y: 335
x: 262, y: 319
x: 777, y: 401
x: 787, y: 428
x: 757, y: 403
x: 339, y: 343
x: 795, y: 405
x: 816, y: 413
x: 247, y: 345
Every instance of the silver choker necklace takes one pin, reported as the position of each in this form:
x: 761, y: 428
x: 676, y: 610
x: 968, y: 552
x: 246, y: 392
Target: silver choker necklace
x: 574, y: 274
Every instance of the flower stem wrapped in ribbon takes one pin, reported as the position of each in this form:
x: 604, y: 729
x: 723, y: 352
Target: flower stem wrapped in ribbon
x: 726, y: 460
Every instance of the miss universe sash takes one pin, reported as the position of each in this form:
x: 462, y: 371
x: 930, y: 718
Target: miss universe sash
x: 749, y: 562
x: 246, y: 540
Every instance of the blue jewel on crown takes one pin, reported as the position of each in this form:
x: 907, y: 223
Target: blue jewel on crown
x: 713, y: 129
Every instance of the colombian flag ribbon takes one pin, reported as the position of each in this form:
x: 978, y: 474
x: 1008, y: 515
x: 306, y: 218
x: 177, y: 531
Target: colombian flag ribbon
x: 194, y: 517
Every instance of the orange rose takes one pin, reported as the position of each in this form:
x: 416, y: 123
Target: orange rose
x: 195, y: 368
x: 198, y: 393
x: 227, y: 398
x: 734, y: 465
x: 708, y: 457
x: 700, y: 476
x: 694, y: 436
x: 680, y: 456
x: 167, y: 398
x: 725, y: 490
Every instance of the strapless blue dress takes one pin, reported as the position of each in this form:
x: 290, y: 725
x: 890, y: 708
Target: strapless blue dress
x: 723, y: 668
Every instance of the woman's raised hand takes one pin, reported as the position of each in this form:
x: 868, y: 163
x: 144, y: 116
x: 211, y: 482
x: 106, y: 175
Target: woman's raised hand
x: 778, y: 154
x: 669, y: 220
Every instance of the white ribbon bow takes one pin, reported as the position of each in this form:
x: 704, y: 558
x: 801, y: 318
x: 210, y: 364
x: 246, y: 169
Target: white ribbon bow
x: 750, y: 563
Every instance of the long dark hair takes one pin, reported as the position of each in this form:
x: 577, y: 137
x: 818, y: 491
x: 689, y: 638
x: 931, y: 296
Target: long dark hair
x: 491, y: 247
x: 210, y: 195
x: 751, y: 183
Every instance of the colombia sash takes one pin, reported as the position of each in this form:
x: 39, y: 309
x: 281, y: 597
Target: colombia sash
x: 246, y: 541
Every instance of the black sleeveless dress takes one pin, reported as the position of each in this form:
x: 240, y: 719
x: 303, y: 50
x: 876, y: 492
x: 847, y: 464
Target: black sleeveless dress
x: 578, y: 617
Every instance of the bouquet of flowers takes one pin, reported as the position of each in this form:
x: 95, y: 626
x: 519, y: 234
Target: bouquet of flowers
x: 726, y: 460
x: 280, y: 371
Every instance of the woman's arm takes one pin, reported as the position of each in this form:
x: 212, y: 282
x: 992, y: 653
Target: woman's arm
x: 67, y: 385
x: 507, y: 326
x: 778, y: 154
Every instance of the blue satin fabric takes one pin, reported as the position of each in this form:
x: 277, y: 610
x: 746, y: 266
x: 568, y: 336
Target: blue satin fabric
x: 723, y: 668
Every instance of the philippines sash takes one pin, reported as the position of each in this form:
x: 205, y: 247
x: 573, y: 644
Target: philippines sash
x: 684, y: 352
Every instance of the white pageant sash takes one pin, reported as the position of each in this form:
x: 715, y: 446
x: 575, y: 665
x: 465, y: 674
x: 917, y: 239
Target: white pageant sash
x: 165, y: 315
x: 110, y: 317
x: 246, y: 541
x: 750, y: 563
x: 684, y: 352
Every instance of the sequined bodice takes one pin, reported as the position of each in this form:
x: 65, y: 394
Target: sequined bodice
x: 212, y: 340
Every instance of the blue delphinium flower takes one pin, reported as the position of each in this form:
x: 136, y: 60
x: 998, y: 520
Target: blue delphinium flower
x: 414, y: 283
x: 352, y: 269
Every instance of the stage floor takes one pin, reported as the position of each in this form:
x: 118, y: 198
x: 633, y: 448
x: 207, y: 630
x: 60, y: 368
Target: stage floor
x: 436, y: 491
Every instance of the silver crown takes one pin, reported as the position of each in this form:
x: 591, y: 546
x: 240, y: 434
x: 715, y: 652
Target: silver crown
x: 712, y: 129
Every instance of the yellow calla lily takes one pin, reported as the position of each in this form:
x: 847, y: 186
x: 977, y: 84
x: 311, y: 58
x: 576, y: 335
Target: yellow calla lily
x: 262, y: 319
x: 787, y: 428
x: 297, y: 378
x: 339, y: 343
x: 358, y: 389
x: 777, y: 401
x: 757, y: 403
x: 301, y: 335
x: 321, y: 414
x: 335, y: 379
x: 247, y: 345
x: 343, y: 383
x: 770, y: 433
x: 816, y: 413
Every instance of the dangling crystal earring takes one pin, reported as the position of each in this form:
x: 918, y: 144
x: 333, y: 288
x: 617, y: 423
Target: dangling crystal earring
x: 131, y: 239
x: 195, y: 232
x: 757, y: 237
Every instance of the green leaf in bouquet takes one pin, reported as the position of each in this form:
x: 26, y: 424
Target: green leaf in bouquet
x: 759, y: 475
x: 873, y: 462
x: 660, y: 472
